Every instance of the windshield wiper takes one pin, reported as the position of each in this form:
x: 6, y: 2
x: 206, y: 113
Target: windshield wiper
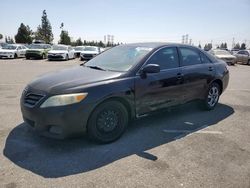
x: 96, y: 67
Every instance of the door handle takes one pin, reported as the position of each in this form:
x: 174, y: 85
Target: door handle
x: 179, y: 76
x: 210, y: 69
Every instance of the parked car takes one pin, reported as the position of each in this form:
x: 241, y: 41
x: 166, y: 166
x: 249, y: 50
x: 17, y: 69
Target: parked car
x: 13, y: 51
x: 121, y: 84
x: 61, y: 52
x: 224, y: 55
x: 243, y: 56
x: 234, y: 51
x: 38, y: 51
x: 79, y: 50
x: 2, y: 45
x: 89, y: 52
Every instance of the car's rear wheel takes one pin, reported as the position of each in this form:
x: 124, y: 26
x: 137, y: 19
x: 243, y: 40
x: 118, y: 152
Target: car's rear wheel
x: 108, y: 122
x: 212, y: 96
x: 248, y: 62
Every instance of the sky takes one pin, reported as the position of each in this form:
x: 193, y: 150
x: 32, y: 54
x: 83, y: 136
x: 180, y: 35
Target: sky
x: 130, y: 21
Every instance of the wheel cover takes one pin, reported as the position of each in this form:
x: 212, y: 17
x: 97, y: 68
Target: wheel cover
x: 213, y: 96
x: 107, y: 121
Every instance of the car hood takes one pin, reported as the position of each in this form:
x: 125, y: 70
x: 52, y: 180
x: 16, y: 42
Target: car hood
x: 6, y: 50
x: 225, y: 56
x: 89, y: 52
x: 58, y: 51
x: 64, y: 80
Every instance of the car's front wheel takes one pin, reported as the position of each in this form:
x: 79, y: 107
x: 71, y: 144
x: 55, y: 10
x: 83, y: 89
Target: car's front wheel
x: 212, y: 96
x: 108, y: 122
x: 67, y: 57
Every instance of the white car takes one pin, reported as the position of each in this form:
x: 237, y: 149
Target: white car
x: 79, y: 50
x: 89, y: 52
x: 61, y: 52
x: 13, y: 51
x: 224, y: 55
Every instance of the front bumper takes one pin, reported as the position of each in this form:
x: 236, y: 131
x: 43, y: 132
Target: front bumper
x: 57, y: 122
x: 56, y: 57
x: 229, y: 61
x: 87, y: 56
x: 6, y: 55
x: 33, y: 55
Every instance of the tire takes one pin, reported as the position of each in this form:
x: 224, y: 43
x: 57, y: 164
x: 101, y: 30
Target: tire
x: 248, y: 63
x: 27, y: 57
x: 81, y: 59
x: 67, y: 57
x: 15, y: 56
x: 212, y: 96
x: 107, y: 122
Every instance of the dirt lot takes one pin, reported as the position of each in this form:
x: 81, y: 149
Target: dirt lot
x: 184, y: 147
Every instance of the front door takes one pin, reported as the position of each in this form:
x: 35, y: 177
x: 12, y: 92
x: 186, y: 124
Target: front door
x: 163, y: 89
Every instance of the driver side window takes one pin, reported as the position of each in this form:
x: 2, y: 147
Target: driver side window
x: 166, y: 58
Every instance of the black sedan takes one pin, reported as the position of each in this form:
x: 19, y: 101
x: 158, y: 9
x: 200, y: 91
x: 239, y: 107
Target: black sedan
x: 121, y: 84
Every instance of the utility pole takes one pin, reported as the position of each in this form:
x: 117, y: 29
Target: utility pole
x: 183, y: 39
x: 186, y: 42
x: 233, y: 43
x: 190, y: 41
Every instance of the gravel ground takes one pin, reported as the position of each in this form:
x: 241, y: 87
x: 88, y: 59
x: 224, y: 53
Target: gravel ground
x: 182, y: 147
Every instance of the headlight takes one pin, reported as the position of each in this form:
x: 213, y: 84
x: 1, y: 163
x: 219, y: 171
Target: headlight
x: 66, y: 99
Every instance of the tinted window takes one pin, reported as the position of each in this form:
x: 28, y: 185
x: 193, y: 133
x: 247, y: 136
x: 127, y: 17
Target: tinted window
x: 167, y: 58
x: 204, y: 58
x: 189, y: 57
x: 241, y: 52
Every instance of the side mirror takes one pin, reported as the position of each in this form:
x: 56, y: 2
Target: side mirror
x: 151, y: 68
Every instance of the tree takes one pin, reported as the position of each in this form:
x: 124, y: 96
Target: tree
x: 79, y: 42
x: 208, y: 47
x: 243, y: 46
x: 23, y: 34
x: 1, y: 36
x: 64, y: 36
x: 44, y: 31
x: 237, y: 46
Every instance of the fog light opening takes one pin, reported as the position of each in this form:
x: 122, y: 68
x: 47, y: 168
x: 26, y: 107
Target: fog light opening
x: 55, y: 129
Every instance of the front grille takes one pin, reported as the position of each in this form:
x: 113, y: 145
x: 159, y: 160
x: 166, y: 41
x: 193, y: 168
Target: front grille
x: 32, y: 99
x: 88, y: 55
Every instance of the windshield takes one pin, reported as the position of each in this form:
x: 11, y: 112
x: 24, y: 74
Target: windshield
x: 221, y: 52
x: 60, y: 48
x: 37, y: 46
x: 120, y: 58
x: 10, y: 47
x: 89, y: 48
x: 79, y: 48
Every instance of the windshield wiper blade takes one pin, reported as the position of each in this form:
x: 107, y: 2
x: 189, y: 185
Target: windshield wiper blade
x: 96, y: 67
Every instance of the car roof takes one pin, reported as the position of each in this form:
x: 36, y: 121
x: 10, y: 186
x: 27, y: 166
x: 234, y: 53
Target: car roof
x: 158, y: 44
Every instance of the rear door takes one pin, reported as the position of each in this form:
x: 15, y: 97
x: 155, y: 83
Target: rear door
x: 198, y: 71
x: 163, y: 89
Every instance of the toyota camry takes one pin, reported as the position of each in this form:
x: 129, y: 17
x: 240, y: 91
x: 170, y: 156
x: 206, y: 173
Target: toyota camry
x: 126, y: 82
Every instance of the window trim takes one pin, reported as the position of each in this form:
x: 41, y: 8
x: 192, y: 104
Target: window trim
x: 190, y: 48
x: 161, y: 70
